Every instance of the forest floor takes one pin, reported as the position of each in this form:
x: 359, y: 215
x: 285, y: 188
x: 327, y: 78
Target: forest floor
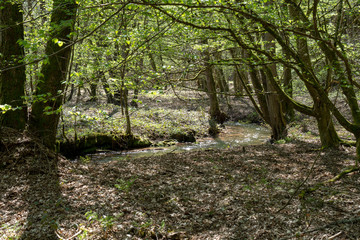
x: 252, y: 192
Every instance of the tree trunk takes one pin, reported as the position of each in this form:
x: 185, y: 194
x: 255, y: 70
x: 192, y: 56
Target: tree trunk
x: 328, y: 134
x: 93, y: 92
x: 220, y: 76
x: 12, y: 81
x: 106, y: 86
x: 274, y: 108
x: 287, y: 82
x: 140, y: 66
x: 238, y: 86
x: 124, y: 89
x: 276, y: 115
x: 259, y: 92
x: 45, y: 111
x: 214, y: 111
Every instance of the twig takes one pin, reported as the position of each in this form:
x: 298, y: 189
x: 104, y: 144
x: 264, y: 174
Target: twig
x: 335, y: 235
x: 69, y: 238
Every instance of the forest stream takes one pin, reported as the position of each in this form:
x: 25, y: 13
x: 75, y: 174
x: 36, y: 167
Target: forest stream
x: 234, y: 134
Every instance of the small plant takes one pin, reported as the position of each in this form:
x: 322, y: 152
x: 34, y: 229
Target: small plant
x: 124, y: 185
x: 149, y: 229
x: 281, y: 141
x: 83, y: 235
x: 85, y: 159
x: 91, y: 216
x: 106, y: 222
x: 10, y: 231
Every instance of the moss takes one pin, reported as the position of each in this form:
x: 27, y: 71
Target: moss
x: 188, y: 136
x: 90, y: 143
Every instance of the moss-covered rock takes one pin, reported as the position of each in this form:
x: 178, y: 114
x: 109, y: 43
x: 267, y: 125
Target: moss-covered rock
x: 188, y: 136
x: 90, y: 143
x: 165, y: 143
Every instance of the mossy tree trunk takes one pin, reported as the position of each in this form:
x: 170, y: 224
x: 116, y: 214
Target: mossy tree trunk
x: 44, y: 117
x: 12, y: 75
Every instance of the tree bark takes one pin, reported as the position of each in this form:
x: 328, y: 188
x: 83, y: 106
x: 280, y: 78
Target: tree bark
x: 93, y: 92
x: 274, y: 104
x: 44, y: 117
x: 214, y: 111
x: 12, y: 81
x: 288, y: 87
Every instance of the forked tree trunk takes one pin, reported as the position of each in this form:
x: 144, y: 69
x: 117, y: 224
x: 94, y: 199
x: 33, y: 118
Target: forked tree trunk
x: 45, y: 112
x: 328, y: 134
x: 276, y: 116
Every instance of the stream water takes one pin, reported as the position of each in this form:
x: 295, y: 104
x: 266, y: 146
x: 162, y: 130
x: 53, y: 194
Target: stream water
x: 234, y: 134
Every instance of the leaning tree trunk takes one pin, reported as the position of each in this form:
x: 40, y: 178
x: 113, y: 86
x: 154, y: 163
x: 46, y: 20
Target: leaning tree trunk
x: 287, y: 82
x: 328, y: 134
x: 44, y: 117
x: 12, y: 75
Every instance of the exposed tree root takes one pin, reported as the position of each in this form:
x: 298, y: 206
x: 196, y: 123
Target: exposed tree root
x: 334, y: 223
x: 347, y: 143
x: 334, y: 179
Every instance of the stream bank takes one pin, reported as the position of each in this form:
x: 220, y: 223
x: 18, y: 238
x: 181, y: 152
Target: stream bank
x: 232, y: 135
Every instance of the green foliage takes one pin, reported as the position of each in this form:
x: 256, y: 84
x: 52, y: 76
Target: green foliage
x: 5, y: 107
x: 149, y: 229
x: 152, y: 123
x: 139, y: 46
x: 125, y: 185
x: 106, y: 222
x: 285, y: 140
x: 12, y: 231
x: 85, y: 159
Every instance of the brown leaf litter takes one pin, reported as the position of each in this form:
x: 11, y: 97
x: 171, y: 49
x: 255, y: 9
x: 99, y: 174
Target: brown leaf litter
x: 209, y: 194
